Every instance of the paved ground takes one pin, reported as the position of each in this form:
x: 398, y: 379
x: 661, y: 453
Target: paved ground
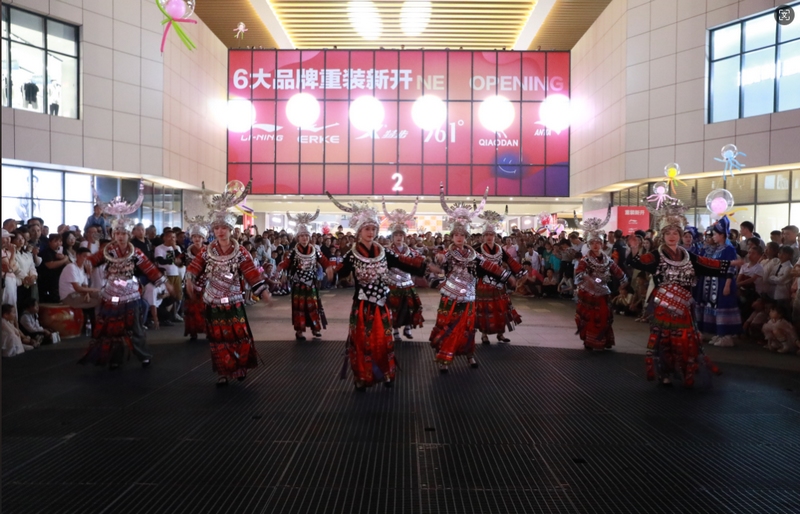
x: 541, y: 426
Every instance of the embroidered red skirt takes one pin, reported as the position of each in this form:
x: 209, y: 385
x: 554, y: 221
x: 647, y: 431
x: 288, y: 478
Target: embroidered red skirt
x: 406, y: 307
x: 232, y: 349
x: 454, y: 333
x: 493, y: 310
x: 675, y: 345
x: 114, y: 330
x: 594, y: 317
x: 194, y: 318
x: 370, y: 346
x: 307, y: 309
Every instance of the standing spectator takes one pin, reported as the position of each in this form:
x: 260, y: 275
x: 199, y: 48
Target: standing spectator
x: 746, y: 228
x: 140, y: 242
x: 534, y: 258
x: 92, y: 241
x: 9, y: 270
x: 751, y: 280
x: 36, y: 235
x: 770, y: 263
x: 53, y: 262
x: 169, y: 258
x: 14, y: 341
x: 26, y: 270
x: 789, y: 235
x: 152, y: 235
x: 781, y: 280
x: 97, y: 219
x: 68, y: 245
x: 10, y: 225
x: 776, y: 237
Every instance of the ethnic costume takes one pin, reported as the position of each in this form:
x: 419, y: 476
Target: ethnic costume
x: 454, y: 332
x: 227, y: 330
x: 119, y: 316
x: 674, y: 345
x: 403, y: 300
x: 301, y: 264
x: 593, y: 314
x: 194, y: 318
x: 370, y: 346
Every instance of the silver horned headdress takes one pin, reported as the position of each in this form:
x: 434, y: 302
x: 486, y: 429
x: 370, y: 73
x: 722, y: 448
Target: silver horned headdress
x: 493, y: 221
x: 302, y: 219
x: 593, y: 227
x: 219, y: 205
x: 399, y: 218
x: 120, y: 210
x: 196, y: 225
x: 362, y: 213
x: 460, y: 216
x: 670, y: 214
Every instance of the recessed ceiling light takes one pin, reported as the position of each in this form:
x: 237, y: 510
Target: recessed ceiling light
x: 365, y: 19
x: 414, y: 17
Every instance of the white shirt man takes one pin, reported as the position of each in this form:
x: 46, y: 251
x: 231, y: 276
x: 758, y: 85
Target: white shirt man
x: 750, y: 270
x: 73, y: 284
x: 781, y: 280
x: 92, y: 241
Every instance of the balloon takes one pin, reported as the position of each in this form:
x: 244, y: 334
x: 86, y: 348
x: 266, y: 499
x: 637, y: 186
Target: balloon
x: 719, y: 201
x: 234, y: 186
x: 660, y: 188
x: 672, y: 170
x: 178, y: 8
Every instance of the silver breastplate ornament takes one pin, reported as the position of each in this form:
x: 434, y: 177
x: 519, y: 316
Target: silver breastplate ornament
x: 494, y: 258
x: 370, y: 273
x: 680, y: 272
x: 121, y: 285
x: 223, y: 285
x: 398, y: 278
x: 305, y: 267
x: 597, y: 275
x: 460, y: 282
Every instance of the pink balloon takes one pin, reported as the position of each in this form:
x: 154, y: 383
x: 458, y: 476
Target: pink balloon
x: 175, y: 8
x: 718, y: 205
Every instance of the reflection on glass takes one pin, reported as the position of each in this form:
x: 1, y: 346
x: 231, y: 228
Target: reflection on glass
x: 62, y: 85
x: 725, y: 90
x: 771, y: 217
x: 5, y: 21
x: 790, y: 31
x: 51, y: 211
x: 758, y: 82
x: 61, y: 38
x: 726, y: 42
x: 78, y: 187
x: 794, y: 216
x: 147, y: 216
x: 27, y: 77
x: 47, y: 185
x: 15, y: 208
x: 789, y: 76
x: 759, y: 32
x: 27, y: 28
x: 76, y: 213
x: 773, y: 187
x: 106, y: 187
x: 16, y: 181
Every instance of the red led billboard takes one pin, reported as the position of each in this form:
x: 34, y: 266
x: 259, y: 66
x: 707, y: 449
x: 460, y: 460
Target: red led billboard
x: 514, y: 147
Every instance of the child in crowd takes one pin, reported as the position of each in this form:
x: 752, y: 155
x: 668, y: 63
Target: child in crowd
x: 755, y: 322
x: 550, y: 284
x: 530, y: 284
x: 622, y: 302
x: 14, y: 342
x: 565, y: 288
x: 639, y: 302
x: 29, y: 322
x: 780, y: 334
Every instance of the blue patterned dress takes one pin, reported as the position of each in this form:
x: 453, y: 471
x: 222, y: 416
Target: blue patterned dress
x: 714, y: 312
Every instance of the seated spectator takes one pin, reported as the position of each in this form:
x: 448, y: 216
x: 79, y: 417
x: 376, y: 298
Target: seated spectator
x: 92, y: 238
x: 550, y: 284
x: 53, y: 263
x: 780, y: 334
x: 565, y: 288
x: 73, y: 284
x: 776, y: 237
x: 29, y: 323
x: 622, y: 302
x: 14, y: 342
x: 530, y: 284
x: 755, y: 322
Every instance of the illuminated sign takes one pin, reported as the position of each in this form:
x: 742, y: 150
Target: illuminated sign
x: 399, y: 122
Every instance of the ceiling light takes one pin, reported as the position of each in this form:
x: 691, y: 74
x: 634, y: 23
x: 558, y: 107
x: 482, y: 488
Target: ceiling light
x: 496, y: 113
x: 241, y: 115
x: 302, y: 110
x: 414, y: 17
x: 429, y: 112
x: 366, y: 113
x: 277, y: 219
x: 365, y: 19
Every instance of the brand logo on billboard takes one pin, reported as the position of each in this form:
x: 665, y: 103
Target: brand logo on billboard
x: 265, y: 127
x: 313, y: 139
x: 501, y: 139
x: 389, y: 134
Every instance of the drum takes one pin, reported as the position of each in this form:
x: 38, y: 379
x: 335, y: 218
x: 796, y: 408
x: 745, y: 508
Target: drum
x: 57, y: 317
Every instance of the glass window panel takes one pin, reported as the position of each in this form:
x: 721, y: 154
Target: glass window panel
x: 702, y: 219
x: 147, y: 216
x: 16, y: 208
x: 791, y: 31
x: 794, y: 215
x: 789, y: 75
x: 62, y: 85
x: 759, y: 32
x: 726, y: 42
x: 5, y: 21
x: 796, y: 185
x: 705, y: 186
x: 743, y: 189
x: 107, y: 187
x: 51, y: 211
x: 725, y: 90
x: 129, y: 189
x: 158, y: 219
x: 6, y: 85
x: 61, y: 38
x: 773, y: 187
x: 47, y: 185
x: 27, y: 28
x: 771, y: 217
x: 78, y: 187
x: 748, y: 213
x: 685, y: 193
x: 27, y: 78
x: 16, y: 181
x: 758, y: 82
x: 76, y: 213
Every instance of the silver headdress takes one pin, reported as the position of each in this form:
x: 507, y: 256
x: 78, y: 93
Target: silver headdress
x: 219, y: 215
x: 493, y: 221
x: 362, y: 213
x: 196, y: 225
x: 120, y: 209
x: 670, y: 214
x: 399, y: 218
x: 460, y: 216
x: 593, y: 227
x: 302, y: 219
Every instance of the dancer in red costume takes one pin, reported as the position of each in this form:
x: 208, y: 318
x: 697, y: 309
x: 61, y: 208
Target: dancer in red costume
x: 195, y: 316
x: 454, y: 333
x: 674, y: 346
x: 223, y: 265
x: 403, y: 301
x: 370, y: 347
x: 594, y: 315
x: 301, y: 263
x: 493, y: 308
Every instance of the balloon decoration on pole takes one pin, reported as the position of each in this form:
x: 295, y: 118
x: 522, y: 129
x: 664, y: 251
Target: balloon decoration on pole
x: 176, y: 12
x: 659, y: 194
x: 720, y: 203
x: 672, y: 171
x: 240, y: 30
x: 729, y: 157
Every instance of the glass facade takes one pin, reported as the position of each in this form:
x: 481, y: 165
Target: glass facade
x: 60, y: 197
x: 770, y: 200
x: 40, y: 63
x: 754, y: 68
